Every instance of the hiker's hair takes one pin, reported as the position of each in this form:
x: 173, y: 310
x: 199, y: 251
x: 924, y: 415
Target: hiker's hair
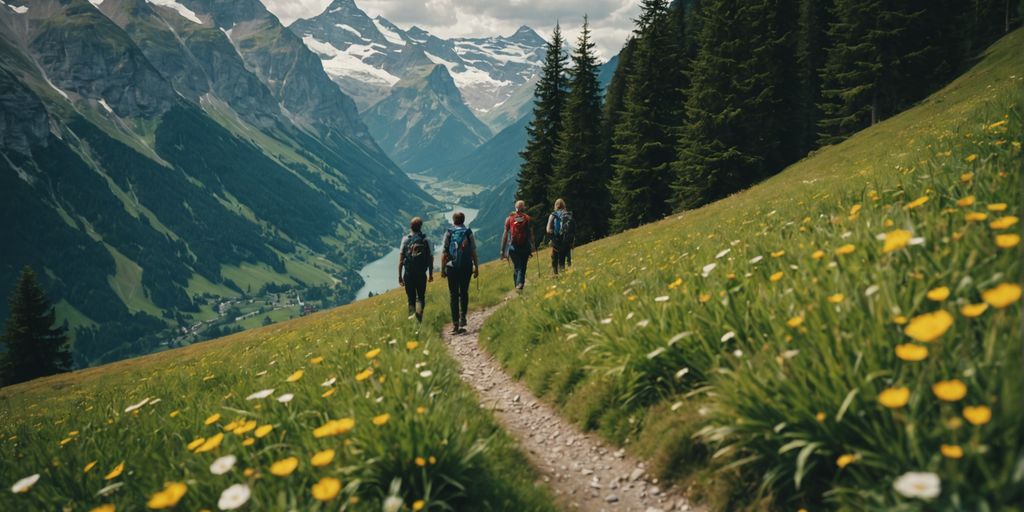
x: 459, y: 218
x: 520, y: 205
x: 559, y: 204
x: 416, y: 224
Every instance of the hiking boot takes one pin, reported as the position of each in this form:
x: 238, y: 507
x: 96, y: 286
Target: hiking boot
x: 419, y: 312
x: 456, y: 330
x: 462, y: 321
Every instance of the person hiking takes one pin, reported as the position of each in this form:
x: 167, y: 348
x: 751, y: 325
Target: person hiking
x: 561, y: 230
x: 517, y: 243
x: 459, y: 264
x: 417, y: 259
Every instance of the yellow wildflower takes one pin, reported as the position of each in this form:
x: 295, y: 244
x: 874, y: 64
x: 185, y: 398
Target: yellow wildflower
x: 950, y: 390
x: 262, y: 431
x: 116, y: 472
x: 316, y: 360
x: 971, y: 157
x: 295, y: 376
x: 88, y: 467
x: 817, y: 255
x: 196, y: 443
x: 911, y: 352
x: 845, y: 249
x: 896, y: 240
x: 322, y: 458
x: 778, y: 254
x: 169, y: 497
x: 836, y: 299
x: 938, y: 294
x: 951, y: 451
x: 411, y: 345
x: 1007, y: 241
x: 248, y: 441
x: 284, y: 467
x: 381, y: 420
x: 966, y: 177
x: 1004, y: 222
x: 213, y: 418
x: 109, y: 507
x: 1003, y: 295
x: 845, y: 460
x: 899, y: 320
x: 975, y: 216
x: 929, y: 326
x: 329, y: 392
x: 977, y: 415
x: 420, y: 461
x: 820, y: 417
x: 917, y: 202
x: 245, y: 427
x: 996, y: 207
x: 211, y: 443
x: 335, y: 428
x: 973, y: 310
x: 373, y: 353
x: 326, y: 489
x: 418, y: 505
x: 966, y: 201
x: 775, y: 277
x: 894, y: 398
x: 796, y: 321
x: 675, y: 284
x: 365, y: 374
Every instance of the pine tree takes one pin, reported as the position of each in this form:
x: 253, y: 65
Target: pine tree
x: 35, y: 348
x: 615, y: 102
x: 737, y: 102
x: 812, y: 40
x: 579, y: 174
x: 645, y: 135
x: 537, y: 169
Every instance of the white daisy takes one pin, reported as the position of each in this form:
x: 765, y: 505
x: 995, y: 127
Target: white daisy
x: 756, y: 259
x: 259, y: 395
x: 706, y: 271
x: 728, y: 336
x: 24, y: 484
x: 426, y: 374
x: 223, y: 464
x: 663, y: 298
x: 329, y: 382
x: 918, y: 484
x: 393, y: 504
x: 234, y: 497
x: 133, y: 407
x: 722, y: 254
x: 285, y: 398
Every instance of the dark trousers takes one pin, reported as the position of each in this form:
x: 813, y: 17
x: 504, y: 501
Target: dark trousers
x: 458, y: 288
x: 520, y: 257
x: 561, y: 257
x: 416, y: 291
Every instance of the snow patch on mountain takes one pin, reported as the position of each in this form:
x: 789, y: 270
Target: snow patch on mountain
x: 391, y: 36
x: 185, y: 12
x: 350, y: 62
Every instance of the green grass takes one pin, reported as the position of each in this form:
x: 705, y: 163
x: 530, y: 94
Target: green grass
x: 469, y: 464
x: 279, y: 315
x: 257, y: 276
x: 751, y: 388
x: 127, y: 284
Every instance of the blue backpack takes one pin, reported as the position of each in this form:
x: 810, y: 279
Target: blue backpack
x: 563, y: 228
x: 460, y: 247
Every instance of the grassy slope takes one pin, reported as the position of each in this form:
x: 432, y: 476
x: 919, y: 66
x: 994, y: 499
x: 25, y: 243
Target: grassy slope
x: 215, y: 377
x: 666, y: 377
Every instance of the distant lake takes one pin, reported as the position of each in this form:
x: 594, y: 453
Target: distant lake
x: 382, y: 275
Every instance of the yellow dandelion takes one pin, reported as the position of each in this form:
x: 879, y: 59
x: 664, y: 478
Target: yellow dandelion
x: 977, y: 415
x: 1004, y: 222
x: 778, y: 254
x: 845, y: 460
x: 938, y: 294
x: 675, y: 284
x: 966, y: 177
x: 966, y: 201
x: 820, y: 416
x: 365, y: 374
x: 88, y: 467
x: 232, y: 426
x: 917, y: 202
x: 846, y: 249
x: 855, y: 210
x: 322, y: 458
x: 249, y: 441
x: 329, y: 392
x: 996, y: 207
x: 326, y: 489
x: 335, y: 428
x: 262, y: 431
x: 420, y: 461
x: 211, y: 444
x: 929, y: 326
x: 896, y: 240
x: 175, y: 413
x: 835, y: 299
x: 975, y: 216
x: 412, y: 345
x: 971, y: 157
x: 418, y: 505
x: 894, y: 398
x: 910, y: 352
x: 316, y: 360
x: 109, y: 507
x: 951, y: 451
x: 168, y: 497
x: 550, y: 294
x: 295, y: 376
x: 381, y: 420
x: 973, y: 310
x: 195, y: 443
x: 888, y: 223
x: 213, y: 418
x: 704, y: 297
x: 284, y: 467
x: 1003, y: 295
x: 776, y: 277
x: 116, y: 472
x: 373, y: 353
x: 421, y: 410
x: 796, y: 321
x: 1007, y: 241
x: 899, y: 320
x: 949, y: 390
x: 817, y: 255
x: 245, y: 427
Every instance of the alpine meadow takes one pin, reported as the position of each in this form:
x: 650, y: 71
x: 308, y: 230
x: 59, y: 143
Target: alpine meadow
x: 771, y: 253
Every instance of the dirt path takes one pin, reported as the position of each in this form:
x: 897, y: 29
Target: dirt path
x: 583, y: 472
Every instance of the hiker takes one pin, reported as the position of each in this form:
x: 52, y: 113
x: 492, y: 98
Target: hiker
x: 517, y: 243
x: 417, y: 258
x: 459, y: 264
x: 562, y: 231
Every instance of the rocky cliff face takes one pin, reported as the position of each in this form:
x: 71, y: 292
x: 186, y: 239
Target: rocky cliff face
x: 424, y: 122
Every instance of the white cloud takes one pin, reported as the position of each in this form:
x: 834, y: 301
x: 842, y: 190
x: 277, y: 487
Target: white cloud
x: 611, y: 21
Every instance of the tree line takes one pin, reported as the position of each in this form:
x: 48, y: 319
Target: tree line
x: 712, y: 96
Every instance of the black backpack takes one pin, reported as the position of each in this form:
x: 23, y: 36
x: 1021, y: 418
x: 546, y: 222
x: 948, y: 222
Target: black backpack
x: 564, y: 229
x: 417, y: 253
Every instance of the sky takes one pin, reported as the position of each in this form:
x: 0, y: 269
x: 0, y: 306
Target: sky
x: 611, y: 21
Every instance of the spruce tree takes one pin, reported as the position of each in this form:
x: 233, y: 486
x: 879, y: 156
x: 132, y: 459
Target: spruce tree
x: 738, y: 105
x: 579, y: 174
x: 537, y: 169
x: 812, y: 40
x: 615, y: 102
x: 646, y: 133
x: 34, y: 346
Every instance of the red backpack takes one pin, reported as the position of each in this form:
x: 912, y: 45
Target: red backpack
x: 519, y: 228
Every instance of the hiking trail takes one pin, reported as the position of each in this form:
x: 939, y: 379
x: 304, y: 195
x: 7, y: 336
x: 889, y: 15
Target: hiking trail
x: 582, y: 471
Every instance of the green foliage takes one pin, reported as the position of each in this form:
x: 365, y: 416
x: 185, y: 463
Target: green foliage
x: 34, y: 345
x: 724, y: 336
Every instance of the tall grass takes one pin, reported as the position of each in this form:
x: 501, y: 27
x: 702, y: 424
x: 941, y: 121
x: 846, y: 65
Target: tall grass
x: 767, y: 324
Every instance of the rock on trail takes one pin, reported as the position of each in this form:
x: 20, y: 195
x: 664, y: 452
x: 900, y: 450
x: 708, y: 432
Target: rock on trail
x: 583, y: 472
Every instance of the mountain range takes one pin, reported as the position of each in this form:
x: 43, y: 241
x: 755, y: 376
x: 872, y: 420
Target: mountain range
x: 158, y: 152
